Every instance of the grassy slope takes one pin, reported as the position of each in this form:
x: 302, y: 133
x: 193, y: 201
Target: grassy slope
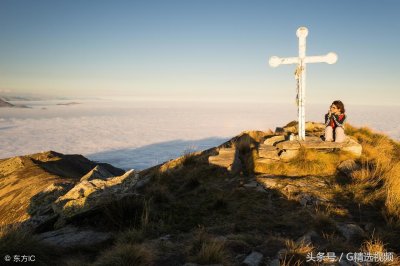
x: 207, y: 215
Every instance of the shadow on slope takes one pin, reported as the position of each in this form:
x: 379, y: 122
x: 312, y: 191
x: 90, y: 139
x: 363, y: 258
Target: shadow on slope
x: 153, y: 154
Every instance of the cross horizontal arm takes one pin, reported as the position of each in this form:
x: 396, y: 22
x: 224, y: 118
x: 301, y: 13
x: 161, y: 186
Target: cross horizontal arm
x: 275, y: 61
x: 329, y: 58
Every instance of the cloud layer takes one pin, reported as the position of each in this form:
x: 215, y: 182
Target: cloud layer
x: 138, y: 135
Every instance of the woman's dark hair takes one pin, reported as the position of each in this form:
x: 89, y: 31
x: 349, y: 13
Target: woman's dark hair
x: 339, y: 105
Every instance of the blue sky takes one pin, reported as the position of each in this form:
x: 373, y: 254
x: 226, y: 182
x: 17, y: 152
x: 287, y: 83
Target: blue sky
x: 201, y: 50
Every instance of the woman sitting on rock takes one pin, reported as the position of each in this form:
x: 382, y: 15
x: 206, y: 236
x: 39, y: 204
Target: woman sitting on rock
x: 334, y: 122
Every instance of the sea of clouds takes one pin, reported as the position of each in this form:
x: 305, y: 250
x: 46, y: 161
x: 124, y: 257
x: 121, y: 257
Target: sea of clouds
x: 139, y: 134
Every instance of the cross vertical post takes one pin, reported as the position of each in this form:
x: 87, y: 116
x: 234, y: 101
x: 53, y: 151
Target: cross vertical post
x: 301, y: 62
x: 302, y: 35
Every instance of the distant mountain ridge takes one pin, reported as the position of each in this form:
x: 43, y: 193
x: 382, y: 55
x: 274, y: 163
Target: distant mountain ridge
x: 4, y: 103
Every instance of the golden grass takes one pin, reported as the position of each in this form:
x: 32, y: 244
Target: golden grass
x: 380, y: 168
x: 300, y: 248
x: 376, y: 246
x: 392, y: 188
x: 307, y: 162
x: 295, y: 253
x: 373, y: 245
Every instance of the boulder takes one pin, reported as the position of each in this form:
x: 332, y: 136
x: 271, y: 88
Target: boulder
x: 72, y: 237
x: 307, y: 239
x: 350, y: 231
x: 253, y: 259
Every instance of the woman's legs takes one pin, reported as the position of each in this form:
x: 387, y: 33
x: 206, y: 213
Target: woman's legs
x: 328, y: 133
x: 339, y: 134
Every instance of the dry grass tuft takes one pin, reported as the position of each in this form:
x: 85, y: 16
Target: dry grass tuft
x: 373, y: 245
x: 295, y: 253
x: 208, y: 250
x: 298, y: 248
x: 126, y: 255
x: 189, y: 157
x: 212, y: 252
x: 392, y: 188
x: 376, y: 246
x: 291, y: 261
x: 323, y: 223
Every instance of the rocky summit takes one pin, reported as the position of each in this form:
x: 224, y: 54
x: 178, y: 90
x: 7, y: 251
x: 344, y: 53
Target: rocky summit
x: 261, y: 198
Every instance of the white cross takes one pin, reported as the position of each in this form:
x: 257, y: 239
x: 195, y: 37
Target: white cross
x: 301, y: 62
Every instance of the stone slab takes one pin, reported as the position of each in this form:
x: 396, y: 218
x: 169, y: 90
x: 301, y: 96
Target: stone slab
x: 268, y: 152
x: 227, y: 158
x: 289, y: 145
x: 271, y: 141
x: 349, y: 145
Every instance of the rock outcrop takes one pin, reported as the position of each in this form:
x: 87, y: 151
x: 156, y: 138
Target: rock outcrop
x: 29, y: 183
x: 73, y: 237
x: 88, y: 196
x: 99, y: 172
